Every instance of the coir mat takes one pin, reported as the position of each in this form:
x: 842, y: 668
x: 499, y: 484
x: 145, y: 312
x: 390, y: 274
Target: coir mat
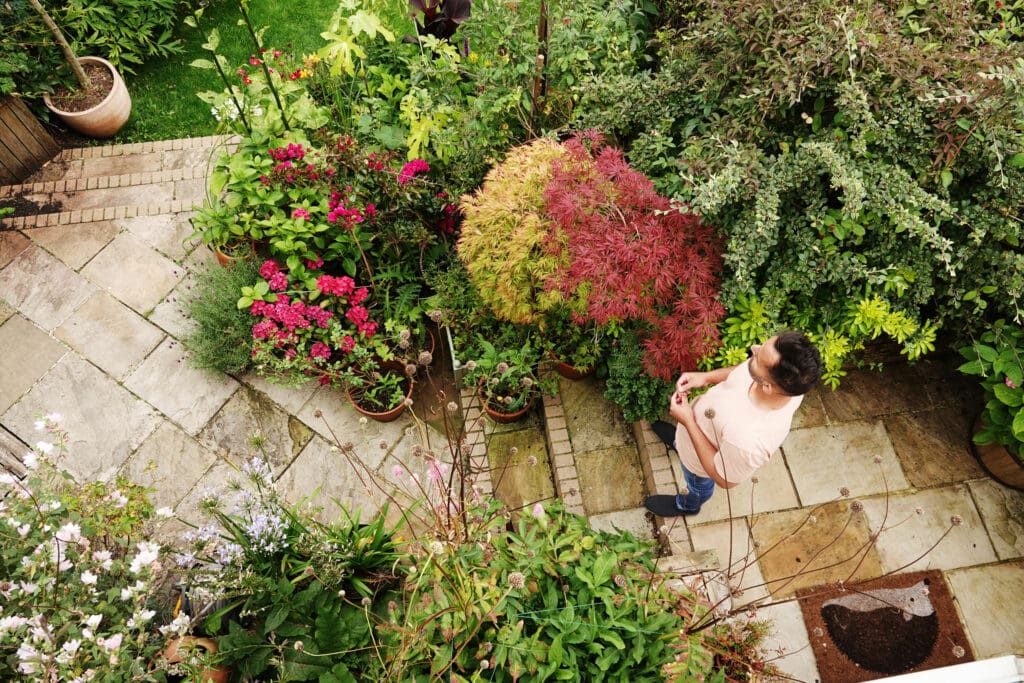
x: 884, y: 627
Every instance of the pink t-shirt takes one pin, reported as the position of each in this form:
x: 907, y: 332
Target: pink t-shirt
x: 744, y: 433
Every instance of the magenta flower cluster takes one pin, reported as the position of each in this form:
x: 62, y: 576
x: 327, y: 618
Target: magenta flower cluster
x: 410, y: 170
x: 296, y: 333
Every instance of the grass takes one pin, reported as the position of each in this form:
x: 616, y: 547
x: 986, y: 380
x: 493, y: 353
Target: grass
x: 164, y: 102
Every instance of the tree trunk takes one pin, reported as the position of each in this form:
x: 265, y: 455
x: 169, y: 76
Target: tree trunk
x: 58, y: 35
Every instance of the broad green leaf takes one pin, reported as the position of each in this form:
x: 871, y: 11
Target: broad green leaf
x: 947, y: 178
x: 202, y: 64
x: 276, y: 618
x: 1007, y: 396
x: 1017, y: 160
x: 1018, y: 425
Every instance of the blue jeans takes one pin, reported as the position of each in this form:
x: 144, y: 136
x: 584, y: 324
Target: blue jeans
x: 699, y: 491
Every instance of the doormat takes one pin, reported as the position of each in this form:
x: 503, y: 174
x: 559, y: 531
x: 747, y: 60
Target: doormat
x: 884, y: 627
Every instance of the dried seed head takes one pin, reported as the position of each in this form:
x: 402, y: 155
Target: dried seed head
x: 404, y: 335
x: 435, y: 315
x: 452, y: 407
x: 318, y: 413
x: 531, y: 461
x: 844, y: 492
x: 513, y: 451
x: 958, y: 651
x: 425, y: 358
x: 501, y: 368
x: 710, y: 413
x: 956, y: 520
x: 410, y: 369
x: 471, y: 365
x: 877, y: 459
x: 516, y: 580
x: 856, y: 506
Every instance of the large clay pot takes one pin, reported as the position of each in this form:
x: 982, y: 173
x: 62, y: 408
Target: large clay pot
x: 107, y: 117
x: 1000, y: 464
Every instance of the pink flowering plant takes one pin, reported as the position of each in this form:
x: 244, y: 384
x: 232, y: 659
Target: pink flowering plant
x: 997, y: 357
x: 301, y: 334
x: 80, y: 575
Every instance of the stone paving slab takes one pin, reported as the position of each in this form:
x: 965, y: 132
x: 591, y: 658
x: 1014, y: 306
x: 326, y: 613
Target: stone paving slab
x: 866, y: 394
x: 636, y: 521
x: 811, y: 412
x: 215, y: 482
x: 610, y: 479
x: 109, y: 334
x: 932, y: 446
x: 104, y: 422
x: 42, y: 288
x: 789, y: 636
x: 12, y: 243
x: 823, y: 460
x: 6, y: 311
x: 131, y: 195
x: 770, y: 489
x: 75, y: 244
x: 593, y: 422
x: 288, y: 397
x: 167, y: 233
x: 918, y: 520
x: 517, y: 482
x: 169, y: 314
x: 133, y: 272
x: 28, y: 353
x: 170, y: 462
x: 249, y: 413
x: 339, y: 421
x: 1002, y: 509
x: 796, y: 551
x: 732, y: 543
x: 188, y: 396
x: 322, y: 473
x: 987, y: 597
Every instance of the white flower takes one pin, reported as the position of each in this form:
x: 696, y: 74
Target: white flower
x: 111, y: 643
x: 40, y: 425
x: 104, y: 559
x: 140, y: 618
x: 54, y: 418
x: 31, y: 460
x: 11, y: 623
x: 88, y: 578
x: 44, y: 447
x: 69, y: 533
x: 28, y: 588
x: 93, y: 621
x: 56, y: 505
x: 148, y: 554
x: 24, y: 529
x: 165, y: 512
x: 177, y: 627
x: 29, y: 657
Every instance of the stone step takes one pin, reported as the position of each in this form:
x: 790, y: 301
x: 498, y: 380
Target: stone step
x: 114, y: 181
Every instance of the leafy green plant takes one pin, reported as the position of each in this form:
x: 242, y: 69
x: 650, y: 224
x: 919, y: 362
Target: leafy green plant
x: 540, y: 597
x: 639, y: 395
x: 284, y: 586
x: 997, y: 358
x: 377, y: 386
x: 125, y: 33
x: 506, y: 377
x: 221, y: 338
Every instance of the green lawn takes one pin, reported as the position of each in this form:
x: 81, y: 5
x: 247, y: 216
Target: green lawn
x: 164, y: 102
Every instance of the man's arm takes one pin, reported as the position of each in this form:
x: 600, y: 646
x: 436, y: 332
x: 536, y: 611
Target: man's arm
x: 681, y: 410
x: 694, y: 380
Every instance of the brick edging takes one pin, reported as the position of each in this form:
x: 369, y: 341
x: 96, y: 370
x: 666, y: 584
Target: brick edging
x: 95, y: 152
x: 99, y: 214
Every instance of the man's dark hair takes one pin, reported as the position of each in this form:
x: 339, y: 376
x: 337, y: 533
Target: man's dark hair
x: 799, y: 366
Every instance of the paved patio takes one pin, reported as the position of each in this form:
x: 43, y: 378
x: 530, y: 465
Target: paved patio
x: 90, y: 287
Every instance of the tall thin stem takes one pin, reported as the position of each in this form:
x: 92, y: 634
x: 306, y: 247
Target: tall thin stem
x: 58, y: 35
x: 263, y: 62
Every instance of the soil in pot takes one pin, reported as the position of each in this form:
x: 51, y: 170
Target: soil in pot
x: 78, y: 100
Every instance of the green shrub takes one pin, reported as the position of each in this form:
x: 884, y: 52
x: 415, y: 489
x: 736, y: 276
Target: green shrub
x: 222, y: 336
x: 641, y: 396
x: 126, y: 32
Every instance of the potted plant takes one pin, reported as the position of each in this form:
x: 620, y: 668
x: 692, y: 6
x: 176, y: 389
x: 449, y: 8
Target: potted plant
x: 379, y: 389
x: 101, y: 105
x: 506, y: 380
x: 575, y: 348
x: 998, y: 359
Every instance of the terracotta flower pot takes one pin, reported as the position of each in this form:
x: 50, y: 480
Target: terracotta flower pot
x: 387, y: 415
x: 107, y: 117
x: 1000, y: 464
x: 179, y: 649
x: 571, y: 371
x: 500, y: 416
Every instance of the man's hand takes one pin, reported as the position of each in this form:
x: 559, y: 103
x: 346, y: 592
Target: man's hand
x: 688, y: 381
x: 680, y: 409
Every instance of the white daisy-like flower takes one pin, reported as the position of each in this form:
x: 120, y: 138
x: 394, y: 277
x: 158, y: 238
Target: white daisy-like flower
x: 44, y: 447
x: 31, y: 460
x: 88, y: 578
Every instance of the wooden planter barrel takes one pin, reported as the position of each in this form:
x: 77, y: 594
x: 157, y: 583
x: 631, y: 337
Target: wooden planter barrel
x: 25, y: 145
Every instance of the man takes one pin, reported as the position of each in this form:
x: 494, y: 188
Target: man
x: 733, y: 429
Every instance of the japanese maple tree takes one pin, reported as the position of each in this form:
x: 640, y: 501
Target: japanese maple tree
x: 637, y: 256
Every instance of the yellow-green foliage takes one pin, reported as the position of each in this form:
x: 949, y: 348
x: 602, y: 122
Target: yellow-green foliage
x: 504, y: 232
